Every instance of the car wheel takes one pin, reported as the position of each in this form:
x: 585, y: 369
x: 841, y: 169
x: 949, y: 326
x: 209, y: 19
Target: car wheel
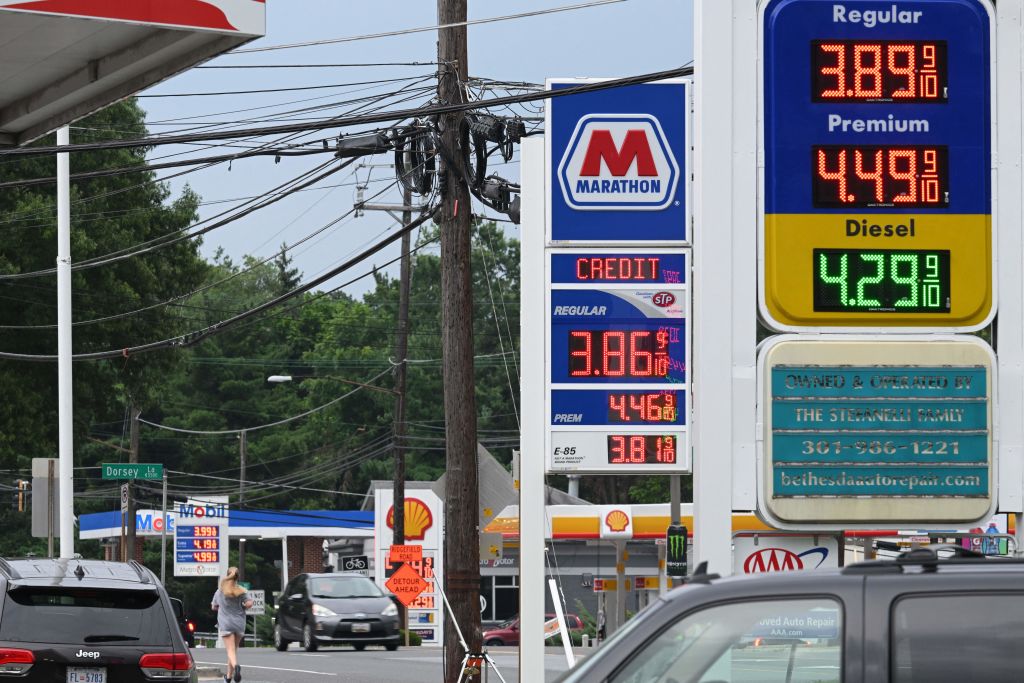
x: 359, y: 646
x: 391, y: 647
x: 309, y: 643
x: 494, y: 642
x: 279, y: 641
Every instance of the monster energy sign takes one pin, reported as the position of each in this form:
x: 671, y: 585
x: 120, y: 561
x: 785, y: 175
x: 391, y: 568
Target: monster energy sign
x: 675, y: 557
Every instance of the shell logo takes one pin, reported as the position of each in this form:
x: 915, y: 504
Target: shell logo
x: 617, y: 521
x: 418, y: 519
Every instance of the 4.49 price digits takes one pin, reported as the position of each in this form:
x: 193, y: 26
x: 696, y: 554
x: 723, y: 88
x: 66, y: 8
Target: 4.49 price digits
x: 658, y: 406
x: 639, y: 449
x: 618, y: 353
x: 874, y: 175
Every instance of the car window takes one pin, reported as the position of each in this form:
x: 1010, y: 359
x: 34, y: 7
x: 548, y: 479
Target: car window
x: 84, y: 616
x: 300, y: 585
x: 939, y: 638
x: 179, y: 609
x: 343, y: 587
x: 770, y: 641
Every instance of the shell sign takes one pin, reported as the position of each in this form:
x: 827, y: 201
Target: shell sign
x: 616, y: 522
x: 418, y: 519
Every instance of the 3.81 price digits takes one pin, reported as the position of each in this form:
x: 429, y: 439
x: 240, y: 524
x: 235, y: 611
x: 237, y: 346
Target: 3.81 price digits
x: 641, y: 449
x: 618, y: 353
x: 878, y: 71
x: 905, y: 280
x: 639, y: 406
x: 848, y: 176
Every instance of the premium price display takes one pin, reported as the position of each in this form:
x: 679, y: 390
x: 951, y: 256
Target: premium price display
x: 641, y: 449
x: 911, y: 176
x: 881, y: 280
x: 644, y: 407
x: 205, y: 556
x: 878, y: 71
x: 619, y: 353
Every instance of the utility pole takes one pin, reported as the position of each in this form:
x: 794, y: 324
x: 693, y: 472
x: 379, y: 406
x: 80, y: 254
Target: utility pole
x: 401, y: 353
x: 242, y: 441
x: 133, y: 457
x: 462, y: 493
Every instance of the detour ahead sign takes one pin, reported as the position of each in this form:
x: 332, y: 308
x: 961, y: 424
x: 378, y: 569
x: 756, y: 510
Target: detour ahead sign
x: 406, y: 584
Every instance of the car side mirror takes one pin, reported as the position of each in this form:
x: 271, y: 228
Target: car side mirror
x: 295, y: 596
x: 394, y: 599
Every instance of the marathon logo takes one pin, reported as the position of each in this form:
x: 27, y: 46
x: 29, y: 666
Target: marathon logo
x: 618, y: 162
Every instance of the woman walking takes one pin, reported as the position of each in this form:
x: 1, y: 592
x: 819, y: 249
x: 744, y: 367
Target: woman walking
x: 230, y: 602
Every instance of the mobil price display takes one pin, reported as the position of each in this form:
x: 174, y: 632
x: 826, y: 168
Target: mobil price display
x: 877, y: 134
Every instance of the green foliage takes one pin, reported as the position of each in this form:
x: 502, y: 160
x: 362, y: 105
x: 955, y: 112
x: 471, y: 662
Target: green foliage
x: 414, y: 638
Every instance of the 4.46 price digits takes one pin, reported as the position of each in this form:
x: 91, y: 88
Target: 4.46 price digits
x: 873, y: 175
x: 912, y: 281
x: 878, y: 71
x: 641, y: 449
x: 658, y: 406
x: 618, y: 353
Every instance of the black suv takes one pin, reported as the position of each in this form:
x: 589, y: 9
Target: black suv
x: 335, y: 608
x: 87, y: 621
x: 915, y: 619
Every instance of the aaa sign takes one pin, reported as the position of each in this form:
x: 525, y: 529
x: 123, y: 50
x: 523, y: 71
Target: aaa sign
x: 406, y: 584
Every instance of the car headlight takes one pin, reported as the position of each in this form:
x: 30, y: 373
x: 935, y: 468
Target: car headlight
x: 321, y: 611
x: 390, y: 611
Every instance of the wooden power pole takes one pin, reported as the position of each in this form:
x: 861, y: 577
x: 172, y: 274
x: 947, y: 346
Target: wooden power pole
x: 462, y: 494
x: 243, y: 454
x: 133, y: 457
x: 401, y: 354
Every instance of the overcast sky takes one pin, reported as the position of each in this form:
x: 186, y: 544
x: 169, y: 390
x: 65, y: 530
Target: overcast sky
x: 626, y: 38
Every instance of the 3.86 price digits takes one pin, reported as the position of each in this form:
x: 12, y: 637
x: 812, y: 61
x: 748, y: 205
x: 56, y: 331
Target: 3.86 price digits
x: 878, y: 71
x: 635, y: 406
x: 641, y: 449
x: 874, y: 175
x: 618, y: 353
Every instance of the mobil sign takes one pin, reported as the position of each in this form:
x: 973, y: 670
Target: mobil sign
x: 617, y: 163
x: 763, y: 553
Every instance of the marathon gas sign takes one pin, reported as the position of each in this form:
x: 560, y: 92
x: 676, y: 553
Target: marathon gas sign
x: 617, y: 163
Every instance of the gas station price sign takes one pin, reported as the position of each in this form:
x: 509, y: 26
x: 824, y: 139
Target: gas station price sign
x: 877, y: 185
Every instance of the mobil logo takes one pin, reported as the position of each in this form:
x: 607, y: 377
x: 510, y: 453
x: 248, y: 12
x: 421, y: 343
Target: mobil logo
x: 619, y: 162
x: 782, y: 560
x: 663, y: 299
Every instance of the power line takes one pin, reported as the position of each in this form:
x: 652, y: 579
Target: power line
x: 310, y: 66
x: 273, y: 90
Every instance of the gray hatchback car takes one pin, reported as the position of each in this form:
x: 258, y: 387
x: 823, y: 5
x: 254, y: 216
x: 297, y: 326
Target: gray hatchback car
x: 916, y: 619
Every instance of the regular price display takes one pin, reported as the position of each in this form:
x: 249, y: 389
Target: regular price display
x: 641, y: 449
x: 619, y: 353
x: 644, y: 407
x: 206, y: 531
x: 849, y: 176
x: 878, y: 71
x: 909, y: 281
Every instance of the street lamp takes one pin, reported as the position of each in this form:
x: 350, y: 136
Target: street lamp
x: 279, y: 379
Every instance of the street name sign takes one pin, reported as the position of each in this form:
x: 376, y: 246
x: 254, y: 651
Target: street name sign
x: 876, y: 193
x: 405, y: 553
x: 148, y: 471
x: 887, y: 432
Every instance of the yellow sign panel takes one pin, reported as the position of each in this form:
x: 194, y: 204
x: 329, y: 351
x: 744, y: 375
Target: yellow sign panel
x: 878, y: 270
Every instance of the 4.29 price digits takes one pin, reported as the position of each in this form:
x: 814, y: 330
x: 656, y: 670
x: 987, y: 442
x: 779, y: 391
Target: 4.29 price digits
x: 907, y: 280
x: 640, y: 449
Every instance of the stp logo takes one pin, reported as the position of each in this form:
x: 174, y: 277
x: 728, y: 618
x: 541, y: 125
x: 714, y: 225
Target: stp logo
x: 663, y: 299
x: 618, y: 162
x: 781, y: 560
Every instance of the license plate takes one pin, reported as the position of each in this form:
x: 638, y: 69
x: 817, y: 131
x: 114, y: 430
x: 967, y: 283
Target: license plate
x: 80, y: 674
x: 360, y: 628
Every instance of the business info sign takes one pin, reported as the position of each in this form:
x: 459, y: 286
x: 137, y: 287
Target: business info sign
x: 862, y: 431
x: 876, y: 190
x: 617, y: 163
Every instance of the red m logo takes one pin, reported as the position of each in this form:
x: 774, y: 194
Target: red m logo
x: 635, y: 147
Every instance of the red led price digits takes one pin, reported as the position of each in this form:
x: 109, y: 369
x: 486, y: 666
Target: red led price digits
x: 641, y: 449
x: 878, y: 71
x: 873, y: 175
x: 633, y: 406
x: 618, y: 353
x: 615, y: 268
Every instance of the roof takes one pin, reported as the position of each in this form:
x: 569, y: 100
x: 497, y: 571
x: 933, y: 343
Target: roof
x: 56, y: 68
x: 44, y: 571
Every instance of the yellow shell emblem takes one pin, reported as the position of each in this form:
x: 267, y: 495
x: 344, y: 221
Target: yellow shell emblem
x: 417, y: 519
x: 617, y: 521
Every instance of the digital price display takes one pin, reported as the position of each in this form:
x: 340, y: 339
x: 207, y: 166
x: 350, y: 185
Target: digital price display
x: 878, y: 71
x: 642, y: 407
x: 629, y: 354
x: 876, y: 189
x: 198, y: 531
x: 198, y: 544
x: 618, y: 268
x: 875, y: 175
x: 881, y: 280
x: 641, y: 449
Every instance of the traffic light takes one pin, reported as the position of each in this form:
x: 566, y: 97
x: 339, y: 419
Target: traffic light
x: 675, y: 557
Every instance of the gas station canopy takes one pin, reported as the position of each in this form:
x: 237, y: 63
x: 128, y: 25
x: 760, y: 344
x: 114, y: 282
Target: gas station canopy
x: 63, y: 59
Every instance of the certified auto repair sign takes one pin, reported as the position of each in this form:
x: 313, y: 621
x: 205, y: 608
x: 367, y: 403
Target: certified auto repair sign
x: 766, y: 553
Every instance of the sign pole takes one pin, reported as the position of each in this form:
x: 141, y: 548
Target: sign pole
x: 163, y: 532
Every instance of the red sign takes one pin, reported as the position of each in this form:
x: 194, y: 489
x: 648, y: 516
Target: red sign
x: 406, y: 584
x: 772, y: 560
x: 405, y: 553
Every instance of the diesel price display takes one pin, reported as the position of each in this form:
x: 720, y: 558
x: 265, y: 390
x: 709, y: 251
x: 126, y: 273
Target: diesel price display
x: 881, y: 280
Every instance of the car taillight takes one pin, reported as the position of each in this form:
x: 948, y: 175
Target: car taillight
x: 190, y: 626
x: 166, y: 666
x: 15, y: 662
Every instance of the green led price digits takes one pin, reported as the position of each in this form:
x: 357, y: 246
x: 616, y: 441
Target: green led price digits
x: 884, y: 280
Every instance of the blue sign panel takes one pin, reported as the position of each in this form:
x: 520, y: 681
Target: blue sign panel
x: 617, y: 336
x: 632, y: 407
x: 618, y: 160
x: 852, y: 431
x: 618, y: 268
x: 197, y: 556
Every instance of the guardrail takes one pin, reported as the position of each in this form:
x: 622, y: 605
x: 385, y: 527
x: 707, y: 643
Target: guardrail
x: 209, y: 639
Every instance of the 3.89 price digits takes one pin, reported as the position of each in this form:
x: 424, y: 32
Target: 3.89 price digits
x: 618, y: 353
x: 873, y: 175
x: 641, y: 449
x: 878, y: 71
x: 637, y: 406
